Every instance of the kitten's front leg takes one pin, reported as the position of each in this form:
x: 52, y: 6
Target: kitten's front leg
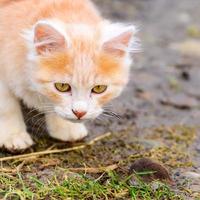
x: 64, y: 130
x: 13, y: 135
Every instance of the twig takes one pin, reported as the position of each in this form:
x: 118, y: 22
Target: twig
x: 13, y: 171
x: 99, y: 138
x: 40, y: 153
x: 93, y: 170
x: 5, y: 170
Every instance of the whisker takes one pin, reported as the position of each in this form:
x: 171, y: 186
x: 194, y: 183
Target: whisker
x: 111, y: 111
x: 38, y: 114
x: 31, y: 111
x: 108, y: 106
x: 116, y: 115
x: 36, y: 124
x: 37, y: 109
x: 100, y: 119
x: 45, y: 107
x: 32, y: 117
x: 111, y: 114
x: 41, y: 125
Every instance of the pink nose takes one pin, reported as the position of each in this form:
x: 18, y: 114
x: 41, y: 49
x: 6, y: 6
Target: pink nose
x: 79, y: 114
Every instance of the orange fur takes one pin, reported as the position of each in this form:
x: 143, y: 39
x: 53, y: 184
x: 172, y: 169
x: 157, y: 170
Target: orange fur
x: 6, y: 2
x: 108, y: 65
x: 105, y: 99
x: 53, y: 96
x: 22, y: 14
x: 26, y: 13
x: 43, y: 42
x: 57, y: 64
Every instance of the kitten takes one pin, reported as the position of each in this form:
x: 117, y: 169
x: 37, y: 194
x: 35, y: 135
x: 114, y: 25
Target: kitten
x: 62, y: 58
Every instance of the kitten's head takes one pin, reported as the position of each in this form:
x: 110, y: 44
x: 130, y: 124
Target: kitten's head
x: 79, y: 68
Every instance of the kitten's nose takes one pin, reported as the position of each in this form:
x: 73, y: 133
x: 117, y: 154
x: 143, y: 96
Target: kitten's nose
x: 79, y: 114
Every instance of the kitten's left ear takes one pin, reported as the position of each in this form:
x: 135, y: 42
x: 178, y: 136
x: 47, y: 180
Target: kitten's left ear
x: 119, y: 39
x: 47, y: 38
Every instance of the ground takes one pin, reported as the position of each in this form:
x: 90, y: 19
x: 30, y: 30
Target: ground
x: 160, y: 119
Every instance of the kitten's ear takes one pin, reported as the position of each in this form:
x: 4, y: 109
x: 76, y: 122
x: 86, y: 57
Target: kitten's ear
x: 119, y: 39
x: 48, y: 39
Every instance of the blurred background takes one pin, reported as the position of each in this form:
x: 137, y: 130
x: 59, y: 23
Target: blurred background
x: 164, y: 83
x: 163, y: 94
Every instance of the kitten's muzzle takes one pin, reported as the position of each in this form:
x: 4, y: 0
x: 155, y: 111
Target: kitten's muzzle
x: 79, y: 114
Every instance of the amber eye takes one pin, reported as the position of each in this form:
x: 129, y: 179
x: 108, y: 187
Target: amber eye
x: 99, y: 89
x: 63, y: 87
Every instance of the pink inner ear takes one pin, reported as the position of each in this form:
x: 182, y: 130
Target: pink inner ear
x: 47, y: 39
x: 119, y: 45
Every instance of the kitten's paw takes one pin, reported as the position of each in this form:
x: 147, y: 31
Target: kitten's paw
x: 77, y: 132
x: 18, y: 141
x: 68, y: 132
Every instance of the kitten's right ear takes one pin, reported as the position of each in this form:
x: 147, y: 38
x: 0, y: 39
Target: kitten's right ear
x: 120, y: 39
x: 48, y: 39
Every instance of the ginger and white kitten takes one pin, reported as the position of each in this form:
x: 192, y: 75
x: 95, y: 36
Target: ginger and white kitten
x: 60, y: 57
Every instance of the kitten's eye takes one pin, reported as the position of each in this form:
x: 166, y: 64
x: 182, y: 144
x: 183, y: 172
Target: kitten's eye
x: 99, y: 89
x: 63, y: 87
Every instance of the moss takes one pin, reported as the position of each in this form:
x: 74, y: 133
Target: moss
x: 120, y: 148
x: 183, y: 135
x: 193, y: 31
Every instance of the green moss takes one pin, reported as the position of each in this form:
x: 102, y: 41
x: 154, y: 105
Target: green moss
x: 108, y: 186
x: 46, y: 177
x: 193, y: 31
x: 183, y: 135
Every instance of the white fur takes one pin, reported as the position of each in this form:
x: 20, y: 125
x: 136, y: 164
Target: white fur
x: 64, y: 130
x: 80, y: 106
x: 113, y: 30
x: 21, y: 83
x: 12, y: 128
x: 28, y: 35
